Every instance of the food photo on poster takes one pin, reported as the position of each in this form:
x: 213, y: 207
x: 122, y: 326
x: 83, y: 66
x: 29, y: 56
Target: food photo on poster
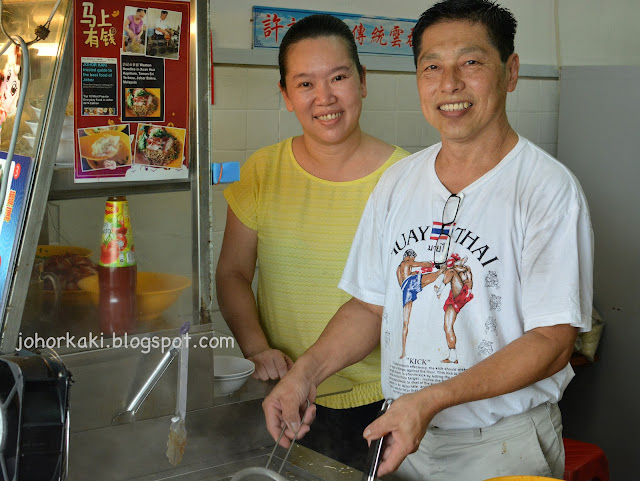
x: 159, y: 146
x: 142, y: 102
x: 105, y: 147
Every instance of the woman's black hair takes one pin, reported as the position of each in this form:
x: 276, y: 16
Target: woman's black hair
x: 316, y: 26
x: 499, y: 22
x: 141, y: 10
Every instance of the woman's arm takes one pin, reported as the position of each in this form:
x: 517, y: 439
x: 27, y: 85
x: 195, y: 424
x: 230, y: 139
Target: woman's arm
x: 234, y: 275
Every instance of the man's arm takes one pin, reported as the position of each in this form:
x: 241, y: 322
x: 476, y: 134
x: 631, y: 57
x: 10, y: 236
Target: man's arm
x: 352, y: 333
x: 536, y: 355
x: 234, y: 274
x: 162, y: 27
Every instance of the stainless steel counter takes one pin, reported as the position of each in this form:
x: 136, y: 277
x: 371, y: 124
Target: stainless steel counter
x: 221, y: 440
x: 303, y: 465
x: 224, y: 434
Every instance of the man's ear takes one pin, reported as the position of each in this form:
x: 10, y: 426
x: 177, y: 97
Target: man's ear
x: 513, y: 67
x: 285, y: 97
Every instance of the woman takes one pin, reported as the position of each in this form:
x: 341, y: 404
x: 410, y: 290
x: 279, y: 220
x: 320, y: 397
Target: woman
x: 295, y: 211
x: 134, y: 31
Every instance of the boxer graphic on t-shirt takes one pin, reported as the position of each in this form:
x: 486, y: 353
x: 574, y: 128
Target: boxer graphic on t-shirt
x: 458, y: 275
x: 413, y: 276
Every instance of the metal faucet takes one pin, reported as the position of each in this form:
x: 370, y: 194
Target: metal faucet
x: 128, y: 415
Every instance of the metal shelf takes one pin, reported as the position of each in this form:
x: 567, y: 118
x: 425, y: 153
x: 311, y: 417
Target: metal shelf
x: 63, y: 187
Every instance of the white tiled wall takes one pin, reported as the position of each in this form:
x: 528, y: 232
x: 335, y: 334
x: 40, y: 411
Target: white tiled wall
x: 249, y: 114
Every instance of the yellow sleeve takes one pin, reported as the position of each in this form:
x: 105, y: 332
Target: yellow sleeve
x: 243, y: 195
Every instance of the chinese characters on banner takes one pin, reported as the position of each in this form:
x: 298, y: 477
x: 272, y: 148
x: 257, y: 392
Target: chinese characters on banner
x: 131, y: 90
x: 376, y: 35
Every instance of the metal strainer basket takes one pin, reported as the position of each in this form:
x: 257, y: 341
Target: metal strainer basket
x: 259, y: 473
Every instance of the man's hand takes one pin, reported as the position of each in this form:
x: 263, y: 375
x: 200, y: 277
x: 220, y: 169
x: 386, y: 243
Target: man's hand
x: 403, y: 425
x: 270, y: 364
x: 287, y: 405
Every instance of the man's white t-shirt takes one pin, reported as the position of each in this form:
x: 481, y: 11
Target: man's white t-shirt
x: 161, y: 24
x: 520, y: 257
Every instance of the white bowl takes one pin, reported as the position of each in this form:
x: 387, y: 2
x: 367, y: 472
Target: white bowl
x: 68, y: 119
x: 67, y: 131
x: 33, y: 125
x: 224, y: 387
x: 230, y: 367
x: 65, y: 151
x: 30, y: 140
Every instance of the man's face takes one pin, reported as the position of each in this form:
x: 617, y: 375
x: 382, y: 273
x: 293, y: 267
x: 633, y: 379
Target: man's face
x: 462, y: 82
x: 163, y: 16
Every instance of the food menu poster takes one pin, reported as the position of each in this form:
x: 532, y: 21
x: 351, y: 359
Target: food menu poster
x: 13, y: 215
x: 131, y: 90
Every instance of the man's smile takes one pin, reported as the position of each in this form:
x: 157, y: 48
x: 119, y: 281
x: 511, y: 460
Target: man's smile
x: 455, y: 106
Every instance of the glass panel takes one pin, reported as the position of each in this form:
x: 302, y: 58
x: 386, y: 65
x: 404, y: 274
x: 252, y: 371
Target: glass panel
x: 20, y: 18
x: 33, y: 68
x: 161, y: 228
x: 70, y: 238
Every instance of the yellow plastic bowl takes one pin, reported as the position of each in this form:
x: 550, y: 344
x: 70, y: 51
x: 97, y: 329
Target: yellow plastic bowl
x: 523, y: 478
x: 47, y: 251
x: 155, y: 292
x: 68, y: 297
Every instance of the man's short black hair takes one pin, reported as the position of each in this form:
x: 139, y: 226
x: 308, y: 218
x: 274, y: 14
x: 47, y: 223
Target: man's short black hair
x: 164, y: 12
x: 500, y: 22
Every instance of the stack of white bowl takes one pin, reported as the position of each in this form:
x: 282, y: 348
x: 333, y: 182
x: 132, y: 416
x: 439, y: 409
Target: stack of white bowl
x: 230, y: 373
x: 66, y: 147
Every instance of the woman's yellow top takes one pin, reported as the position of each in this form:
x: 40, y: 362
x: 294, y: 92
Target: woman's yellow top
x: 305, y: 226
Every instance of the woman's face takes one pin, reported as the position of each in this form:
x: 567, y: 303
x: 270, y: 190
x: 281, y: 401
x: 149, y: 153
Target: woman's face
x: 139, y: 16
x: 324, y: 89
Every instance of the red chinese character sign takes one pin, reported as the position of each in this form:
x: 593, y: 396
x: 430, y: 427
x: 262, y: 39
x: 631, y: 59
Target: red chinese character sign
x: 377, y: 35
x: 131, y: 90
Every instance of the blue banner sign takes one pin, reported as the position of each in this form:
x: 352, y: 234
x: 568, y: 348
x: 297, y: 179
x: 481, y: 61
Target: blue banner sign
x: 377, y: 35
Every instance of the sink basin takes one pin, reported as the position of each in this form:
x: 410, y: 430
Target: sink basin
x: 221, y: 441
x: 304, y: 465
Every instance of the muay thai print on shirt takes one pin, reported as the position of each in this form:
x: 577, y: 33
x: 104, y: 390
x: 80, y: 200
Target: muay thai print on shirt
x: 520, y: 247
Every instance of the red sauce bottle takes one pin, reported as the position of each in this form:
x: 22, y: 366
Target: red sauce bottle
x: 117, y: 270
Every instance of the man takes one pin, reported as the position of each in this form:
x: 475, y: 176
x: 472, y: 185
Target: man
x: 162, y: 30
x: 411, y: 283
x: 521, y: 221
